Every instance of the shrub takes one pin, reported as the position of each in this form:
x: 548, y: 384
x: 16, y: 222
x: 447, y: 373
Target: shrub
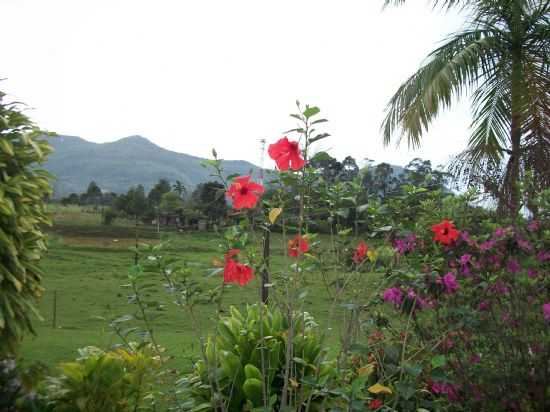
x: 114, y: 381
x: 480, y: 300
x: 109, y: 216
x: 248, y: 352
x: 22, y: 190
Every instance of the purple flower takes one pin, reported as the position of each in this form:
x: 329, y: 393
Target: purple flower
x: 524, y: 244
x: 448, y: 389
x: 465, y: 259
x: 533, y: 226
x: 500, y: 232
x: 483, y: 306
x: 513, y: 266
x: 546, y: 311
x: 489, y: 244
x: 500, y: 288
x: 394, y: 295
x: 543, y: 256
x: 532, y: 273
x: 465, y: 236
x: 475, y: 358
x: 405, y: 245
x: 450, y: 283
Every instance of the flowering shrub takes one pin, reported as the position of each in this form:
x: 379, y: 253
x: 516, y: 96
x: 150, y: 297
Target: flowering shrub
x: 481, y: 302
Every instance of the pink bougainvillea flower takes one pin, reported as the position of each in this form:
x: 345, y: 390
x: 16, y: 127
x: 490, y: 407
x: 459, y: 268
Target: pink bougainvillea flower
x: 465, y: 237
x: 394, y: 295
x: 546, y: 311
x: 483, y: 306
x: 500, y: 232
x: 286, y: 154
x: 489, y: 244
x: 375, y: 404
x: 405, y: 245
x: 236, y: 272
x: 465, y: 259
x: 445, y: 232
x: 532, y: 273
x: 500, y: 288
x: 297, y: 246
x: 448, y: 389
x: 533, y: 226
x: 360, y: 252
x: 543, y: 256
x: 523, y: 244
x: 513, y: 266
x: 244, y: 193
x: 450, y: 283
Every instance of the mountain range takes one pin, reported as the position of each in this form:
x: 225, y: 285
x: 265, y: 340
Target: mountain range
x: 130, y: 161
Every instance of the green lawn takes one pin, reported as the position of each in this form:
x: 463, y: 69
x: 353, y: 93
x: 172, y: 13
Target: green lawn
x: 86, y: 265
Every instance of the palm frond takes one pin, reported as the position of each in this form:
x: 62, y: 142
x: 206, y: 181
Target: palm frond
x: 491, y: 126
x: 451, y: 69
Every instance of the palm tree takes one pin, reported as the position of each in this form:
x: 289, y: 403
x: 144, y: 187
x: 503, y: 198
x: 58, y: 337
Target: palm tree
x: 501, y: 60
x: 180, y: 189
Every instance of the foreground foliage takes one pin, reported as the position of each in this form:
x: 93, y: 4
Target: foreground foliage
x: 23, y: 188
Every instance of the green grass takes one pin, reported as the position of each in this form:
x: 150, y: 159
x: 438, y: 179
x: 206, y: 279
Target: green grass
x: 86, y: 265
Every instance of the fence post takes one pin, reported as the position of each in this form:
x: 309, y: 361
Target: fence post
x: 265, y: 271
x: 54, y: 318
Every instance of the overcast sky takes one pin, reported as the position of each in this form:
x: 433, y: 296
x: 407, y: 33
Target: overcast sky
x: 193, y: 75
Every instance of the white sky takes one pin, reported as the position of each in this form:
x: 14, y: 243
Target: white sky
x: 192, y: 75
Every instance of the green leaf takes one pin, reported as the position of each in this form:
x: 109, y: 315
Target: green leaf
x: 405, y: 389
x: 319, y: 137
x: 439, y: 361
x: 311, y: 111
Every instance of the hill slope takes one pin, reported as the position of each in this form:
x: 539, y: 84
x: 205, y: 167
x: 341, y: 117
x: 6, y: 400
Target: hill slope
x: 129, y: 161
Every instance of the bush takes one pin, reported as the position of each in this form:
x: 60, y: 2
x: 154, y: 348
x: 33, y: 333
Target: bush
x: 22, y: 212
x: 481, y: 302
x: 109, y: 216
x: 114, y: 381
x: 233, y: 373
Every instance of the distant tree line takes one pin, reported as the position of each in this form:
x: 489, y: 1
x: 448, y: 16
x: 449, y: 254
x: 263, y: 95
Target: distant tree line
x: 207, y: 200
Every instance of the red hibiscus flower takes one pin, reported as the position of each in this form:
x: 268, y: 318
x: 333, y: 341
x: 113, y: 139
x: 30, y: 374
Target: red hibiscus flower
x: 236, y: 272
x: 445, y: 232
x: 244, y: 193
x: 286, y: 154
x: 360, y: 252
x: 375, y: 404
x: 297, y: 246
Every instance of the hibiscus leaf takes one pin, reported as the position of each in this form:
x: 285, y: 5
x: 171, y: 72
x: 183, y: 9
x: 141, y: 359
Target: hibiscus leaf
x: 319, y: 121
x: 311, y: 111
x: 319, y: 137
x: 296, y: 116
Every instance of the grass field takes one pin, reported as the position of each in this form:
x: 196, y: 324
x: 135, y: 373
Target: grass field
x: 85, y: 267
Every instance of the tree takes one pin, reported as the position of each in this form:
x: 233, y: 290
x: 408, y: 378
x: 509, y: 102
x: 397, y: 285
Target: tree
x: 383, y: 180
x: 209, y: 198
x: 93, y: 194
x: 93, y: 190
x: 350, y: 170
x: 171, y: 202
x: 22, y: 215
x: 155, y: 194
x: 501, y: 59
x: 180, y: 189
x: 133, y: 203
